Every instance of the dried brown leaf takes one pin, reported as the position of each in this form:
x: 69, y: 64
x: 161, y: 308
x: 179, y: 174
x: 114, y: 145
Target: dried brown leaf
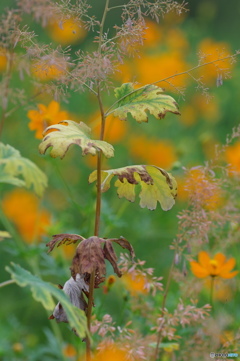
x: 88, y: 258
x: 124, y: 243
x: 63, y: 238
x: 111, y: 256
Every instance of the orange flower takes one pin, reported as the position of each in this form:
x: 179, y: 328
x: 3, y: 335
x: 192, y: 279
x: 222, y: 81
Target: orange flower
x: 218, y: 266
x: 156, y: 152
x: 66, y: 32
x: 112, y: 353
x: 22, y: 207
x: 135, y: 283
x: 153, y: 33
x: 109, y: 282
x: 49, y: 69
x: 69, y: 351
x: 233, y: 156
x: 45, y: 116
x: 210, y: 50
x: 151, y: 68
x: 3, y: 59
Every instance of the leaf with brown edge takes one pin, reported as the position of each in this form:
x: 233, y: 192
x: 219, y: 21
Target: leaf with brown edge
x: 138, y: 102
x: 111, y: 256
x: 62, y: 135
x: 124, y: 243
x: 63, y: 238
x: 157, y: 185
x: 88, y: 258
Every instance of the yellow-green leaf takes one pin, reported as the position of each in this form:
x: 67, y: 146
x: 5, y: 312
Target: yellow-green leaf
x: 68, y: 132
x: 44, y: 292
x: 20, y: 171
x: 157, y: 185
x: 146, y: 99
x: 4, y: 234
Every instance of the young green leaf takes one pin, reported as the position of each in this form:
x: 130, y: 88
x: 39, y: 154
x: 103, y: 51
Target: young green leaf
x: 4, y: 234
x: 14, y: 167
x: 156, y: 185
x: 68, y: 132
x: 44, y: 293
x: 138, y: 102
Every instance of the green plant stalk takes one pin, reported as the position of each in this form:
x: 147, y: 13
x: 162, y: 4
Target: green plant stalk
x: 98, y: 200
x: 211, y: 292
x: 6, y: 283
x: 159, y: 336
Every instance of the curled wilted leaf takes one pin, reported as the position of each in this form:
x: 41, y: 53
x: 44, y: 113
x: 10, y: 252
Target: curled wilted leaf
x: 63, y: 238
x: 74, y: 289
x: 138, y: 101
x: 157, y: 185
x: 90, y: 257
x: 124, y: 243
x: 111, y: 256
x: 62, y: 135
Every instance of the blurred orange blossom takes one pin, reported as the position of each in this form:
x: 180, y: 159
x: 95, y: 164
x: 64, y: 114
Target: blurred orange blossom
x: 112, y: 353
x: 23, y: 209
x: 135, y: 283
x: 46, y: 116
x: 161, y: 153
x: 210, y: 50
x: 233, y: 156
x: 66, y: 32
x: 218, y: 266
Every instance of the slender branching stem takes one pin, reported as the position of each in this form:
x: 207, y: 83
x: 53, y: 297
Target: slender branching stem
x: 159, y: 335
x: 102, y: 25
x: 111, y: 110
x: 6, y: 283
x: 98, y: 198
x: 6, y: 91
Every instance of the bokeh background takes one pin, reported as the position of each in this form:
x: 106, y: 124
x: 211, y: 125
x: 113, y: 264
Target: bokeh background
x: 68, y: 206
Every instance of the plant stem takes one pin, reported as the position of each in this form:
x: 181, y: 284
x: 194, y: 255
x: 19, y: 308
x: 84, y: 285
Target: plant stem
x: 6, y: 283
x: 6, y: 91
x: 211, y: 292
x: 99, y: 199
x: 159, y: 336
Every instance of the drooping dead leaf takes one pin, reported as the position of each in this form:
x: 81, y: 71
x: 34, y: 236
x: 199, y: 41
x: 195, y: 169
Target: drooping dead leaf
x: 90, y: 257
x: 63, y: 238
x: 124, y: 243
x: 111, y: 256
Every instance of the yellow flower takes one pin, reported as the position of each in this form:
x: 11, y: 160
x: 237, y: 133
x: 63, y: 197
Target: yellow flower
x: 22, y: 208
x: 233, y: 156
x: 66, y: 32
x: 218, y: 266
x: 153, y: 34
x: 45, y: 116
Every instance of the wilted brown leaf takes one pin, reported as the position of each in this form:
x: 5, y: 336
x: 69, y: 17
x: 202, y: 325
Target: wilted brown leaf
x: 63, y: 238
x: 124, y: 243
x: 111, y: 256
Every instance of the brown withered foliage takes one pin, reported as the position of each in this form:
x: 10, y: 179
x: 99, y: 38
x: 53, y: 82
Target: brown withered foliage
x: 63, y: 238
x: 90, y: 257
